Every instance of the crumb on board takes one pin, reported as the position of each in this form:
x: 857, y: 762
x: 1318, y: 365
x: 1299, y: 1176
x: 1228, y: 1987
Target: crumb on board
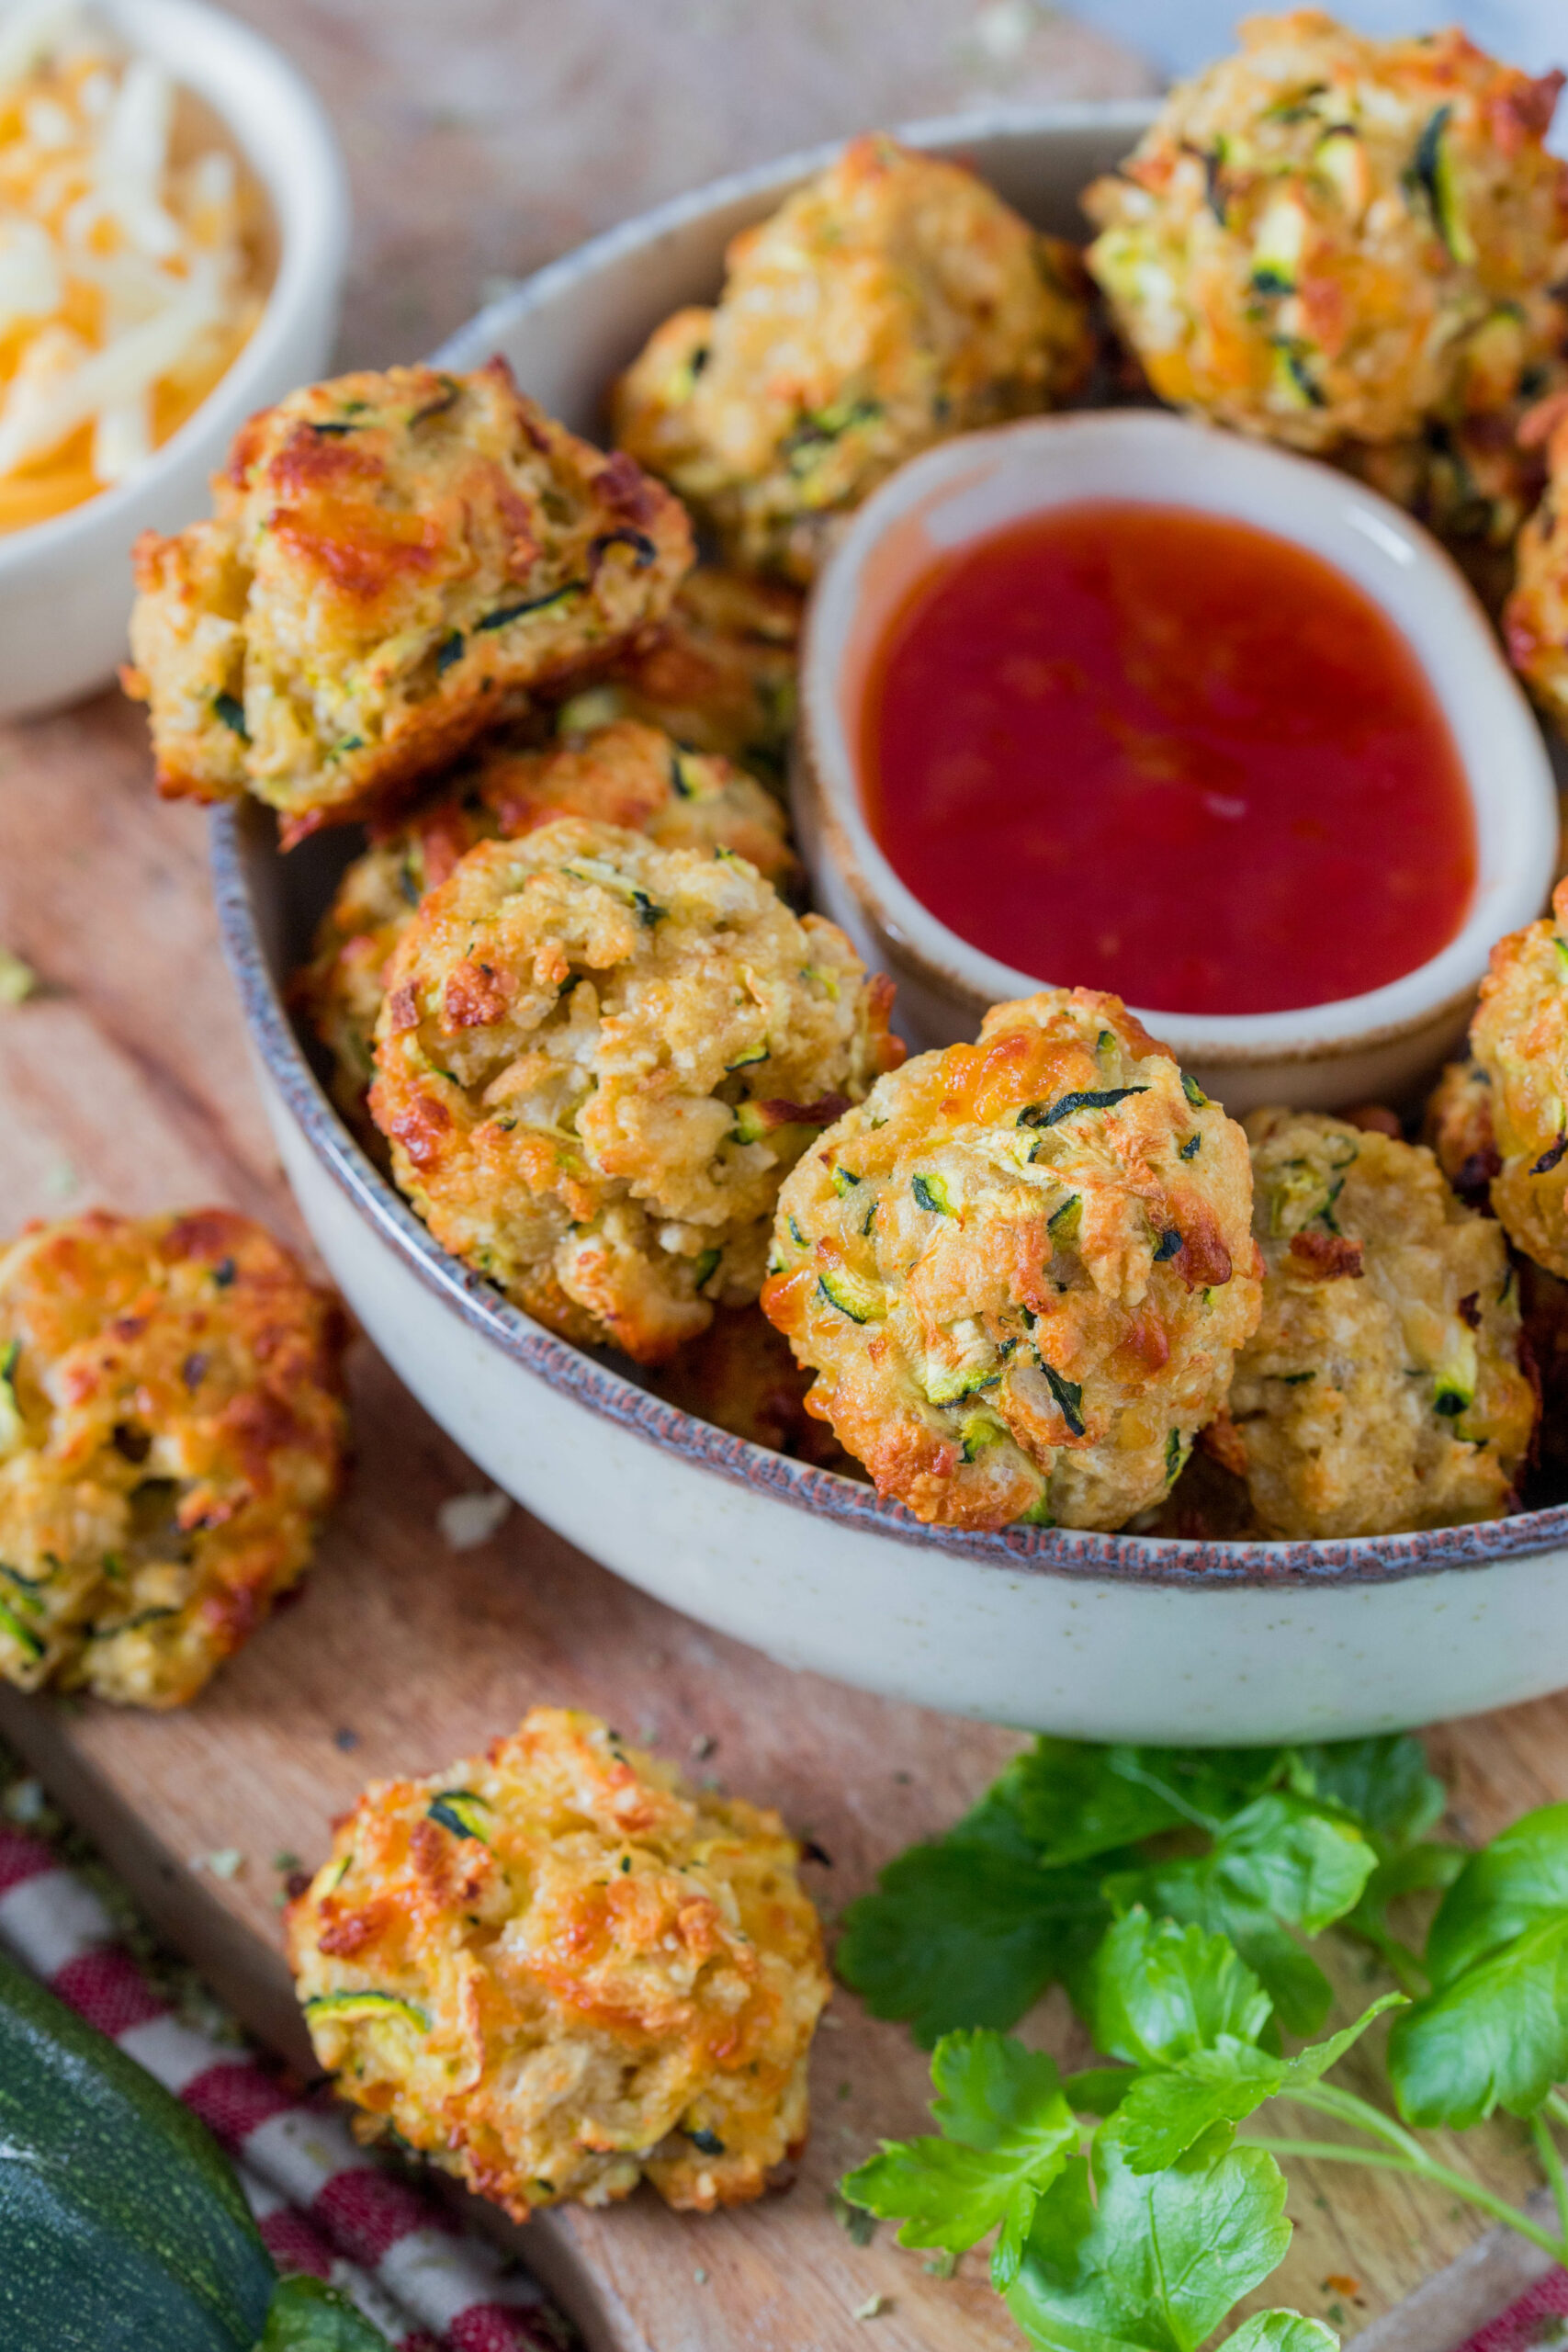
x: 467, y: 1520
x: 872, y: 2308
x: 224, y: 1861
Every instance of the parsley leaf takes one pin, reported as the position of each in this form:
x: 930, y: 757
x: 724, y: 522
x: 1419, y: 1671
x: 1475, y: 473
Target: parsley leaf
x: 1073, y: 1800
x: 1383, y: 1782
x: 1157, y: 1992
x: 1167, y: 2112
x: 306, y: 2316
x: 1494, y: 2030
x: 1283, y: 1860
x: 1149, y: 2264
x: 969, y: 1930
x: 1281, y: 2331
x: 1007, y: 2131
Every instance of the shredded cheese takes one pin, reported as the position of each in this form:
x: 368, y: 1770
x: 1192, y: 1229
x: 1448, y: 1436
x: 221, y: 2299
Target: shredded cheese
x: 129, y: 271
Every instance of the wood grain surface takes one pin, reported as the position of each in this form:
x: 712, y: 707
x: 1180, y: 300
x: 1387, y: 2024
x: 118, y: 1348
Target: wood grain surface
x: 482, y: 138
x: 125, y: 1081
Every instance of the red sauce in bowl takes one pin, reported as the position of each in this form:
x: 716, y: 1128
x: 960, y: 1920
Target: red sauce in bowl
x: 1149, y: 749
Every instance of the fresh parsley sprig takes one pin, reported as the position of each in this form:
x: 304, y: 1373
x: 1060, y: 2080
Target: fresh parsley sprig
x: 1170, y: 1892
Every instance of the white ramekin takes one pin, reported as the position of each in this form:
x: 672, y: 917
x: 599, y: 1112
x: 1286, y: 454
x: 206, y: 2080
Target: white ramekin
x: 65, y: 584
x: 1377, y: 1044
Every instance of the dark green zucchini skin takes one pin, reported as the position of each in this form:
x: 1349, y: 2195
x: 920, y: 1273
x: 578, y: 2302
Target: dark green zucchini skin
x: 122, y: 2227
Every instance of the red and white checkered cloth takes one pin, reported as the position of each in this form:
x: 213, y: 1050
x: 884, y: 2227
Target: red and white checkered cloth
x: 1538, y: 2320
x: 322, y: 2203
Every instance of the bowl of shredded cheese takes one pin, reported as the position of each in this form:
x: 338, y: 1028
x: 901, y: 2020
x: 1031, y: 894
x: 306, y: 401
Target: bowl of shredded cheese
x: 172, y: 233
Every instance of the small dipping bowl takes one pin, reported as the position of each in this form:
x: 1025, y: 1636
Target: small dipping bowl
x: 65, y: 583
x: 1377, y: 1045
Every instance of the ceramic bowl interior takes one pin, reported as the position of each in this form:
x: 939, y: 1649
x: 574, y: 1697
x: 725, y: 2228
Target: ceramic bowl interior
x: 565, y: 333
x: 965, y: 488
x: 79, y: 561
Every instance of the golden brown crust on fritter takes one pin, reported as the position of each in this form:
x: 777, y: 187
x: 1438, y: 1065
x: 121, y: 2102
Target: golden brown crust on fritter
x: 1022, y: 1268
x: 1382, y: 1389
x: 395, y: 561
x: 1327, y: 237
x: 626, y: 773
x: 597, y: 1059
x: 739, y: 1374
x: 1535, y: 619
x: 720, y: 675
x: 1518, y: 1040
x: 893, y: 300
x: 172, y: 1430
x: 1457, y: 1128
x: 558, y: 1971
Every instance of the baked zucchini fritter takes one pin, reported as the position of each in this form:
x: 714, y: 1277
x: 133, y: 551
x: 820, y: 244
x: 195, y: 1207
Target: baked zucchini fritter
x: 172, y: 1430
x: 720, y: 675
x: 892, y: 301
x: 1518, y: 1040
x: 739, y: 1376
x: 1535, y: 619
x: 394, y: 562
x: 1382, y: 1389
x: 1022, y: 1268
x: 558, y: 1971
x: 626, y: 773
x: 1327, y: 239
x: 1457, y: 1128
x: 596, y: 1060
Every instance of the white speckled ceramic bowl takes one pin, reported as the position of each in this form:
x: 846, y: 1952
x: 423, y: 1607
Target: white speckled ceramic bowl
x: 66, y: 585
x: 1104, y: 1636
x: 1379, y: 1046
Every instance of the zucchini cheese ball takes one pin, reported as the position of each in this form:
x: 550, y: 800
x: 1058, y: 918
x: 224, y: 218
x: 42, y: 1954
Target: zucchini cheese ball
x: 1020, y: 1270
x: 1519, y: 1041
x: 394, y: 561
x: 740, y: 1375
x: 1457, y: 1130
x: 172, y: 1432
x: 558, y: 1970
x: 1535, y: 619
x: 1382, y: 1388
x: 1327, y: 239
x: 597, y: 1059
x: 626, y: 773
x: 893, y: 300
x: 720, y: 675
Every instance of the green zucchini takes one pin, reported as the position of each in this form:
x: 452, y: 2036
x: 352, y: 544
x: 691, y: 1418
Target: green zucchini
x: 980, y: 1431
x: 703, y: 1268
x: 843, y: 1181
x: 1068, y: 1395
x: 232, y: 712
x: 367, y: 2006
x: 124, y: 2226
x: 1043, y: 1115
x: 1064, y: 1225
x: 1433, y: 174
x: 932, y: 1195
x: 860, y: 1300
x: 506, y: 614
x: 1294, y: 382
x: 460, y: 1811
x: 13, y: 1432
x: 608, y: 877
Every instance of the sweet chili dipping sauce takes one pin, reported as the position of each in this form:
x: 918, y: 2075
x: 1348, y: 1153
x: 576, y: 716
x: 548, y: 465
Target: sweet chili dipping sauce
x: 1152, y: 750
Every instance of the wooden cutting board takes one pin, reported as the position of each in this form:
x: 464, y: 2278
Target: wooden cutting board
x: 125, y: 1081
